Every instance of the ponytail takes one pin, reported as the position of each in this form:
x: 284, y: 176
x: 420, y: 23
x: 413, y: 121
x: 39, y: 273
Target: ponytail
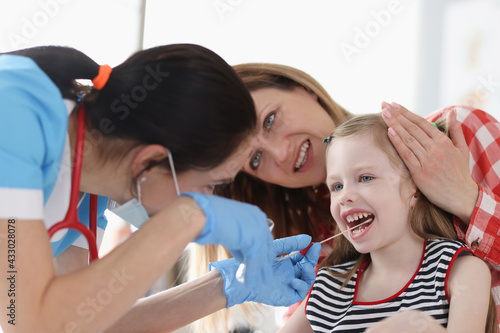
x: 63, y: 65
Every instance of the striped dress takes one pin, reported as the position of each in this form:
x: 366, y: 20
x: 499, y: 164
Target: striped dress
x: 329, y: 309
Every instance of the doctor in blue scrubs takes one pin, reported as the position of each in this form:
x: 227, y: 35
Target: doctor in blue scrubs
x: 160, y: 131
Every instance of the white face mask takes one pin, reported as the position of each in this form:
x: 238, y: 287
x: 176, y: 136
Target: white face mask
x: 133, y: 211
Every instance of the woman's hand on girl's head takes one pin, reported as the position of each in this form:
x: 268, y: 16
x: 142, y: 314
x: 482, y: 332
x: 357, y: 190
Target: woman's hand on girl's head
x: 439, y: 166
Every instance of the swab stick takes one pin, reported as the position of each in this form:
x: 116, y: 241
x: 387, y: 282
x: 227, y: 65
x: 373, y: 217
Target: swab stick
x: 323, y: 241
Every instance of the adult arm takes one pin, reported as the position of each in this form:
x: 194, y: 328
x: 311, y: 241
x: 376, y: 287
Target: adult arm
x: 165, y: 311
x: 440, y: 168
x: 91, y: 299
x: 176, y: 307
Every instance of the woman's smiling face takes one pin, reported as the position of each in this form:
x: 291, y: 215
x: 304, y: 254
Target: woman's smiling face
x: 288, y: 148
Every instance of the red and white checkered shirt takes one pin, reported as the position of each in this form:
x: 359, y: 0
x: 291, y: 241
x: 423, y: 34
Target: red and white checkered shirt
x: 482, y: 235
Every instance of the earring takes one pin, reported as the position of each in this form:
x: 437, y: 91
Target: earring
x: 139, y: 182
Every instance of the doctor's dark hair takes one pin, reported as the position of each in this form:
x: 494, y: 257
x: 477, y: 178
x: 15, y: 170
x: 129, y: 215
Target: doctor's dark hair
x: 181, y: 96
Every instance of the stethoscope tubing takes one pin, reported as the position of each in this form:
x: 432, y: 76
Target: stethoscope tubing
x: 71, y: 221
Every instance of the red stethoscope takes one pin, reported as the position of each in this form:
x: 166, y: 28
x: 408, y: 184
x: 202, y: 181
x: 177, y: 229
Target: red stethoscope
x: 71, y: 221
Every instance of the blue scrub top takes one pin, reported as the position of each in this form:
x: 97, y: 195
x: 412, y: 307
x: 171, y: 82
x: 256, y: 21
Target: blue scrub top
x: 33, y: 131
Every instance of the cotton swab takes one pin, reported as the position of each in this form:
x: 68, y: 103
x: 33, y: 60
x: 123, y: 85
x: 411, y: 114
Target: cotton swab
x: 304, y: 251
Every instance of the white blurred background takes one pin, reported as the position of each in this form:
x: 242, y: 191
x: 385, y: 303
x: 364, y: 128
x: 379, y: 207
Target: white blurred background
x: 424, y: 54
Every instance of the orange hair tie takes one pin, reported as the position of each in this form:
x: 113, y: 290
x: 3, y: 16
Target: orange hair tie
x: 102, y: 77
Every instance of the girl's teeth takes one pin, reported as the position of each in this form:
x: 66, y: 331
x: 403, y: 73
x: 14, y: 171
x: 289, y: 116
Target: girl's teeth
x: 356, y: 216
x: 362, y: 227
x: 357, y: 231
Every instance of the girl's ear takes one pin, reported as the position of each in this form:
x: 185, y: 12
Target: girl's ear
x: 414, y: 198
x: 415, y: 193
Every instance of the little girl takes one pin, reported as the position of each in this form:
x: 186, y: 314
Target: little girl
x: 403, y: 256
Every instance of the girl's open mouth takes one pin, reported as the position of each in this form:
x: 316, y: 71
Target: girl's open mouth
x: 363, y: 219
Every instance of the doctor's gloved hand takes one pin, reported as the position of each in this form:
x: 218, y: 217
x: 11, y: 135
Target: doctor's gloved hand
x: 243, y: 230
x: 292, y: 277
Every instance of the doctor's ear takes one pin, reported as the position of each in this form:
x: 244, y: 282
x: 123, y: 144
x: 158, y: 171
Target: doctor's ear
x: 147, y: 157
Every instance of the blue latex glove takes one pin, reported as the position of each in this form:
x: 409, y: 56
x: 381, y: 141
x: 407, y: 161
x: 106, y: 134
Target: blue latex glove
x: 292, y: 277
x: 243, y: 230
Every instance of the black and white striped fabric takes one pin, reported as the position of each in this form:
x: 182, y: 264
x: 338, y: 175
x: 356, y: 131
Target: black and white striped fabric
x: 332, y: 310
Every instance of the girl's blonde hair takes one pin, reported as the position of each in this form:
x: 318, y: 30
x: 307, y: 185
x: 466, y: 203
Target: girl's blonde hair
x: 426, y: 220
